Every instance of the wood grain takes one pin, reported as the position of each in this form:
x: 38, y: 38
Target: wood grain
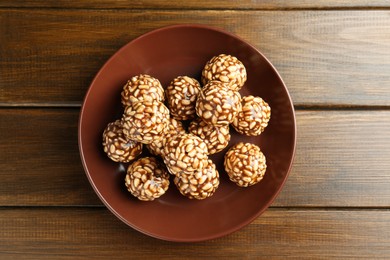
x: 40, y: 162
x: 341, y: 160
x: 334, y: 165
x: 79, y: 233
x: 201, y: 4
x: 325, y: 57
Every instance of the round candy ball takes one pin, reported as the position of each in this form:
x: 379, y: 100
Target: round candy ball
x: 142, y: 88
x: 147, y: 179
x: 185, y: 153
x: 117, y: 146
x: 199, y: 184
x: 253, y: 117
x: 217, y: 104
x: 225, y: 68
x: 181, y: 97
x: 174, y: 128
x: 245, y: 164
x: 215, y: 137
x: 145, y: 121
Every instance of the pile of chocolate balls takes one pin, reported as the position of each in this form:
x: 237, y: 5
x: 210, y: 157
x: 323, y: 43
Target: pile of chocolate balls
x: 153, y: 116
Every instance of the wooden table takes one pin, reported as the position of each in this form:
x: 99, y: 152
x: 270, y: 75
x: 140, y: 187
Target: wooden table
x: 335, y: 59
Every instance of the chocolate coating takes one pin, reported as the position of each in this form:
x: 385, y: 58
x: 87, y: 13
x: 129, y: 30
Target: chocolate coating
x: 142, y: 88
x: 117, y: 146
x: 217, y: 104
x: 254, y: 116
x: 181, y: 97
x: 245, y: 164
x: 227, y: 69
x: 147, y: 179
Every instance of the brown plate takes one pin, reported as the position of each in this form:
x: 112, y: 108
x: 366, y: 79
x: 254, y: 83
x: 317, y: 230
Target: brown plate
x: 166, y: 53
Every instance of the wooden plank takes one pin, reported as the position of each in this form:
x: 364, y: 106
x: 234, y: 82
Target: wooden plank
x: 40, y: 163
x: 71, y: 233
x: 341, y: 160
x: 325, y: 57
x: 334, y: 166
x: 201, y: 4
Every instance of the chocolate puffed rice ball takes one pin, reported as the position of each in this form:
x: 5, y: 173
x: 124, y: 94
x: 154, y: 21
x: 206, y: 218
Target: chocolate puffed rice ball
x: 215, y: 137
x: 245, y: 164
x: 117, y: 147
x: 185, y: 153
x: 217, y: 104
x: 174, y: 128
x: 225, y: 68
x: 253, y: 117
x: 142, y: 88
x: 181, y: 97
x: 145, y: 121
x: 199, y: 184
x: 147, y: 179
